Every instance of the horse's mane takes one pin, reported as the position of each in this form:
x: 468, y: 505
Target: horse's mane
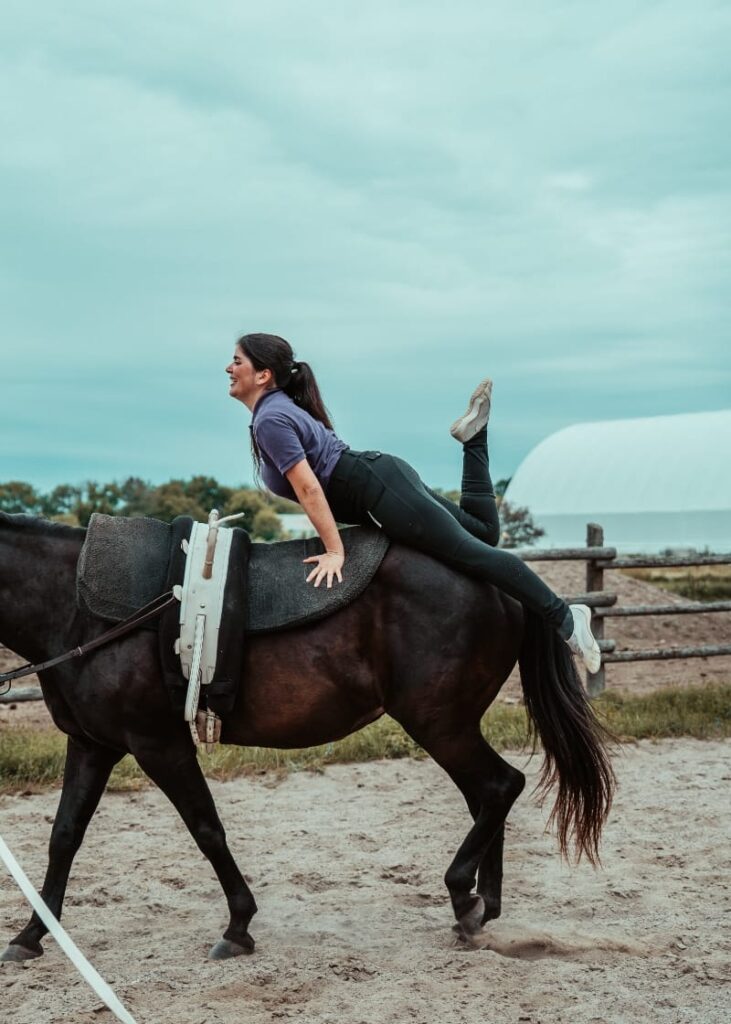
x: 39, y: 525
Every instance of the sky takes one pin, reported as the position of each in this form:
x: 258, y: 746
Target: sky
x: 416, y: 195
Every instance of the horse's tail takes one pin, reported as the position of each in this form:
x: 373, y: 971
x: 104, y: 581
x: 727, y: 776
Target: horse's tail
x: 574, y: 741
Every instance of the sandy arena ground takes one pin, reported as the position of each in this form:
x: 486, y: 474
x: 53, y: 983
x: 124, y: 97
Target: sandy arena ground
x: 354, y: 921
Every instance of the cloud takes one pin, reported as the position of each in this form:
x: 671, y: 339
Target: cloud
x: 415, y: 194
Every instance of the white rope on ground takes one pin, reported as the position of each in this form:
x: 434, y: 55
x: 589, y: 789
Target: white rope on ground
x: 72, y: 951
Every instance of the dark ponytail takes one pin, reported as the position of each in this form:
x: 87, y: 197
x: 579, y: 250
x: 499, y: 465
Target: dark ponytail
x: 302, y: 388
x: 269, y: 352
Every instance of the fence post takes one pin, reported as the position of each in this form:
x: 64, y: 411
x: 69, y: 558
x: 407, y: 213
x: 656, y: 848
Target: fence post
x: 595, y: 681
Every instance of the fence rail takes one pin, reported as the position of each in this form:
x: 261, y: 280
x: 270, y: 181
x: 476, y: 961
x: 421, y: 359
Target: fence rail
x: 663, y: 561
x: 603, y: 604
x: 691, y: 608
x: 665, y: 653
x: 588, y: 553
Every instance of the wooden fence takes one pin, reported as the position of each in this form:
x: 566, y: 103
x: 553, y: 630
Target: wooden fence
x: 602, y: 602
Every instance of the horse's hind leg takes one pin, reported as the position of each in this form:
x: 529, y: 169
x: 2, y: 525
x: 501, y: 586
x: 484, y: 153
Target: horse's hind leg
x: 87, y: 771
x: 490, y: 871
x: 496, y: 785
x: 177, y: 772
x: 490, y: 876
x: 490, y: 786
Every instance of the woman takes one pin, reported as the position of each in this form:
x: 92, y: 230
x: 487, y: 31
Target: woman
x: 300, y: 457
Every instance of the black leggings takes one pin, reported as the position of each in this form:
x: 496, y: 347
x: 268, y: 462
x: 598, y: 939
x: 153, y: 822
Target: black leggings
x: 375, y: 487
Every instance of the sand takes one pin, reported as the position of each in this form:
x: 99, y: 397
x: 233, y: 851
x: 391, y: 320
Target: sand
x: 354, y: 924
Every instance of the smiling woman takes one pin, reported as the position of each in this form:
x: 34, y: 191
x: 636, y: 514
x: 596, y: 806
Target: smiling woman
x: 301, y: 457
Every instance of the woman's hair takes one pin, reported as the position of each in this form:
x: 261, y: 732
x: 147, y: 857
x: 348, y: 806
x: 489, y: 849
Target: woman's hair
x: 270, y: 352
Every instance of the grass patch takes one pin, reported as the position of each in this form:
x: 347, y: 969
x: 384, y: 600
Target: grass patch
x: 33, y: 760
x: 30, y: 758
x: 703, y: 713
x: 696, y: 583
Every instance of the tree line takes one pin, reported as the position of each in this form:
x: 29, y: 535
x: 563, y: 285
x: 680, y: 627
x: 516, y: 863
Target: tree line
x: 75, y: 504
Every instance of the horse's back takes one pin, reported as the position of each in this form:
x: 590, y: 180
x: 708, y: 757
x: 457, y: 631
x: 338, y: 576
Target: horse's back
x: 419, y: 628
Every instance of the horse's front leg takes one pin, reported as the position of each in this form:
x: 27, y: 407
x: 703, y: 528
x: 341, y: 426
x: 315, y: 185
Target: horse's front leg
x: 87, y: 771
x: 175, y: 769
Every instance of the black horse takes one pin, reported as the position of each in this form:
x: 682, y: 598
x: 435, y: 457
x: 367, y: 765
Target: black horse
x: 424, y: 644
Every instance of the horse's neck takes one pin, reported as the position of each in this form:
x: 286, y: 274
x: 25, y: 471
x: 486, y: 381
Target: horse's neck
x: 37, y: 586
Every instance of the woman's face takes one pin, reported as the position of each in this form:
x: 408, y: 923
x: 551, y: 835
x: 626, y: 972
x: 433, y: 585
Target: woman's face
x: 245, y: 382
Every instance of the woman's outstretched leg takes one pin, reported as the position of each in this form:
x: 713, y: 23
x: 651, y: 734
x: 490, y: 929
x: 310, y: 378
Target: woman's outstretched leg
x: 478, y: 501
x: 477, y: 511
x: 478, y: 494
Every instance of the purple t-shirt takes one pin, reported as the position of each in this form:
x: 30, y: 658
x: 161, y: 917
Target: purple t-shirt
x: 285, y: 434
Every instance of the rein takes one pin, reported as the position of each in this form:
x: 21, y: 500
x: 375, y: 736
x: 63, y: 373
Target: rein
x: 149, y: 611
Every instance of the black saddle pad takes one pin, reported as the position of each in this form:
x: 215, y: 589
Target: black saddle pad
x: 124, y: 565
x: 279, y: 595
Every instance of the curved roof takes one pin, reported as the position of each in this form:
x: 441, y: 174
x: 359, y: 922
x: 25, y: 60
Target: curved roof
x: 659, y: 463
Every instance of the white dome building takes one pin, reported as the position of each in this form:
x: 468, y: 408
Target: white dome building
x: 654, y: 483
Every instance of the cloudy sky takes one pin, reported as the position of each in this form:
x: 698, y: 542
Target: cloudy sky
x: 415, y: 194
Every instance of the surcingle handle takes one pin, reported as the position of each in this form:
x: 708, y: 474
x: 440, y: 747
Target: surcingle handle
x: 213, y: 523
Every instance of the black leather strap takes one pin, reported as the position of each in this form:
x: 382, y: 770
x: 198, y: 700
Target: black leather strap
x: 156, y: 607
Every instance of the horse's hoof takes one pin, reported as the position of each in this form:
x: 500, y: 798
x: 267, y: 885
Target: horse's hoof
x: 18, y: 954
x: 225, y: 949
x: 470, y: 923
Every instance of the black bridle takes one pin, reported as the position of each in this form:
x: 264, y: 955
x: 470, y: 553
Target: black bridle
x: 142, y: 615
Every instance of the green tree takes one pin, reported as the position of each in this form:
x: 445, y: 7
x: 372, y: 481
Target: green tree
x: 135, y: 495
x: 266, y: 525
x: 208, y: 493
x: 18, y: 496
x: 170, y: 500
x: 246, y: 500
x: 517, y: 526
x: 62, y: 503
x: 104, y: 498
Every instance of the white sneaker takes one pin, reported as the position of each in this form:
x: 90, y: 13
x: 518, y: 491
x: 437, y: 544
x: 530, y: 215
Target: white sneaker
x: 582, y: 641
x: 478, y: 411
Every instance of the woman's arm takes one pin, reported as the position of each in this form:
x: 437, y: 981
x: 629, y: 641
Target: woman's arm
x: 312, y: 499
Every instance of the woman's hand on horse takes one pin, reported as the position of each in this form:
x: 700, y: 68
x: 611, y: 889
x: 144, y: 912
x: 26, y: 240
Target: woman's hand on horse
x: 328, y: 565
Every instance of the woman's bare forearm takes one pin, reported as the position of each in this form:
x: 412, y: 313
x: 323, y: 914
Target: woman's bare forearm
x: 315, y: 504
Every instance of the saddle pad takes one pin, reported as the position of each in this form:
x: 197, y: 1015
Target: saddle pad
x: 278, y: 594
x: 124, y: 564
